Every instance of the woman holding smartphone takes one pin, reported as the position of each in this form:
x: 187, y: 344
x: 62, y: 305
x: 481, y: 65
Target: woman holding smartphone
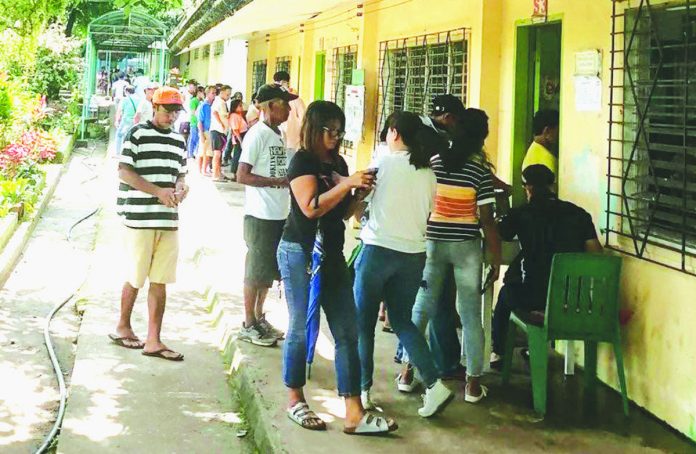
x: 322, y: 196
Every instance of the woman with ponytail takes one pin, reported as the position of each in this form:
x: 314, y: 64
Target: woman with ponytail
x: 463, y: 206
x: 390, y: 266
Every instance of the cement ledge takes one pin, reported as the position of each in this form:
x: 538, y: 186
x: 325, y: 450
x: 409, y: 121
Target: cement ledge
x: 22, y: 232
x: 244, y: 379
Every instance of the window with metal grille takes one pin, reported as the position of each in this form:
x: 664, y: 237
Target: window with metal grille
x: 196, y: 53
x: 219, y: 48
x: 651, y: 197
x: 258, y: 74
x: 345, y: 60
x: 283, y: 64
x: 414, y: 70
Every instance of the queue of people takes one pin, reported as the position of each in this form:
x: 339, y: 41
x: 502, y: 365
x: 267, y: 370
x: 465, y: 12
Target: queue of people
x: 428, y: 207
x: 428, y: 215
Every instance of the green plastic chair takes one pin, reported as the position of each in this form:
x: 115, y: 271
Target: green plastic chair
x: 582, y: 304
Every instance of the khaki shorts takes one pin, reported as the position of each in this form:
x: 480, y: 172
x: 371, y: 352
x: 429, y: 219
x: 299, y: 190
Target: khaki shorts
x: 150, y: 254
x: 207, y: 144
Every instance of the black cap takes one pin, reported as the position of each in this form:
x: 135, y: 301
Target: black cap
x: 273, y: 91
x: 538, y: 175
x: 443, y: 104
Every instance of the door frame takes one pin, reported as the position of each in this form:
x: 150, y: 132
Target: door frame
x: 319, y: 75
x: 524, y: 68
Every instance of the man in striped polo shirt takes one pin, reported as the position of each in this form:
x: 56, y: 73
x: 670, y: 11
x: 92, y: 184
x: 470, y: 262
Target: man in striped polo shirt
x: 151, y: 170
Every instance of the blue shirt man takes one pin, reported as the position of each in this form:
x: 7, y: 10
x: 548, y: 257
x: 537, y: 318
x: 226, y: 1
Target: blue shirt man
x: 204, y: 118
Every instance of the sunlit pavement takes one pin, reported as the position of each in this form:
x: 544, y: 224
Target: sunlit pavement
x: 48, y: 272
x: 121, y: 401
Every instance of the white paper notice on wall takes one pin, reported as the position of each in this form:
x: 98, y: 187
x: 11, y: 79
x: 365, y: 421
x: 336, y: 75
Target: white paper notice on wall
x: 588, y: 94
x: 354, y: 108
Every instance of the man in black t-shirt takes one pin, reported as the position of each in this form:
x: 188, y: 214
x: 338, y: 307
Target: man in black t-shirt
x: 544, y: 226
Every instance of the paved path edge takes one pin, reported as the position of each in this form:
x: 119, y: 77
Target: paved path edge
x: 20, y: 237
x: 243, y: 379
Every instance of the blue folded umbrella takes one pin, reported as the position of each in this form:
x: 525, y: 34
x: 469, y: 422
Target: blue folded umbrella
x: 314, y: 308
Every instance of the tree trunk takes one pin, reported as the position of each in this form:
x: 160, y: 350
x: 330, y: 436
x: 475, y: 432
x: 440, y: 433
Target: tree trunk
x: 72, y: 17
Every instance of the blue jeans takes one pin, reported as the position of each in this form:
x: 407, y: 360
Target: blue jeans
x: 194, y: 138
x: 393, y: 277
x: 466, y: 258
x: 442, y: 330
x: 121, y: 132
x: 337, y: 301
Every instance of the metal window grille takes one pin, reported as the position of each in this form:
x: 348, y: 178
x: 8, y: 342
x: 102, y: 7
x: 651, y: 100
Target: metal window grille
x: 651, y: 197
x: 414, y: 70
x: 345, y: 60
x: 258, y: 74
x: 206, y: 51
x: 219, y: 48
x: 283, y: 64
x: 196, y: 53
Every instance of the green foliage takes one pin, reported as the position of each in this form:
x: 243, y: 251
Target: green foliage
x: 53, y: 72
x: 16, y: 54
x: 25, y: 191
x: 84, y: 11
x: 57, y: 64
x: 5, y: 104
x: 29, y: 17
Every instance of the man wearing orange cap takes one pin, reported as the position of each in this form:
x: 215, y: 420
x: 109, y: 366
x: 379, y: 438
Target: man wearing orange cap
x: 151, y: 171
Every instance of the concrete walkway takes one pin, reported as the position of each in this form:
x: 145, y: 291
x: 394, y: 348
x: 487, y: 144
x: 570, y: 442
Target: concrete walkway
x: 49, y: 270
x: 502, y: 423
x: 121, y: 401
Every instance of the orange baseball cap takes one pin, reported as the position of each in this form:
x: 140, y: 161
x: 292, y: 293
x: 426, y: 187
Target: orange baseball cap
x: 167, y: 95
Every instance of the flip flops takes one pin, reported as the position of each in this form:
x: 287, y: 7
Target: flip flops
x: 160, y: 354
x: 372, y: 425
x: 121, y: 342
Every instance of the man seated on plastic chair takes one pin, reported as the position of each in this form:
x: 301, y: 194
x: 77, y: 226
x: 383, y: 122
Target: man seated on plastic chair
x: 544, y: 226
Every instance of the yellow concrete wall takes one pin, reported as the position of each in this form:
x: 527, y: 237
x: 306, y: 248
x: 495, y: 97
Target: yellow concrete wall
x: 258, y: 50
x: 198, y: 69
x: 660, y: 360
x: 658, y: 341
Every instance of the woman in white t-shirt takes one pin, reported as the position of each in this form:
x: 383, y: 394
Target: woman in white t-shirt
x: 390, y: 265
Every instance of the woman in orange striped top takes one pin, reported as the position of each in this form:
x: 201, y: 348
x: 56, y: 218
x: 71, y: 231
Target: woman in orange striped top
x: 463, y: 206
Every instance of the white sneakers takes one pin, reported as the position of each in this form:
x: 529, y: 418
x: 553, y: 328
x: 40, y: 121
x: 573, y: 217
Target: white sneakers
x: 435, y: 399
x: 407, y: 387
x: 366, y: 400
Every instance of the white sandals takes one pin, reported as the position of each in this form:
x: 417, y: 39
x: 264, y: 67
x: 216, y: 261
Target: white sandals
x: 372, y: 425
x: 303, y: 416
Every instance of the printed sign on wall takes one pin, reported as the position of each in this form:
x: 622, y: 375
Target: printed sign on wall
x: 541, y: 10
x: 354, y: 108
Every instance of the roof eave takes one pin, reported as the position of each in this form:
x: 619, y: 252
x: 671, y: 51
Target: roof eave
x: 208, y: 14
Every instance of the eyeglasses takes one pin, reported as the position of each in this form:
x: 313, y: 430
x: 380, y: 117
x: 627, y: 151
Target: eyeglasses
x: 337, y: 133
